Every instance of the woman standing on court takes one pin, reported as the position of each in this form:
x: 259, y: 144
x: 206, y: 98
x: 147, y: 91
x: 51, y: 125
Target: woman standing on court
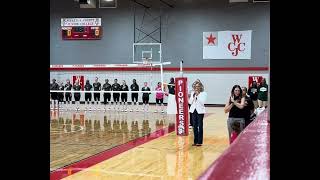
x: 68, y: 87
x: 189, y: 103
x: 263, y: 93
x: 124, y: 96
x: 253, y: 93
x: 172, y: 105
x: 88, y: 96
x: 77, y: 95
x: 61, y: 95
x: 197, y: 99
x: 234, y: 107
x: 145, y: 97
x: 159, y: 98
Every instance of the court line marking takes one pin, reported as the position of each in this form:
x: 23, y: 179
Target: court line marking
x: 110, y: 172
x: 109, y: 153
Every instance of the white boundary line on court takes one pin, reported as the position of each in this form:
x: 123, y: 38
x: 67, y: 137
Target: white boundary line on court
x: 91, y: 169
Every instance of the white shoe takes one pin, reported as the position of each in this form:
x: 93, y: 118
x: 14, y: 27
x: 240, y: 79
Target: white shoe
x: 155, y: 111
x: 131, y: 110
x: 162, y: 111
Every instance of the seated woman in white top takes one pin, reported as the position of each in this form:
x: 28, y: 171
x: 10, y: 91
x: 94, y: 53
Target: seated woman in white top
x: 197, y: 99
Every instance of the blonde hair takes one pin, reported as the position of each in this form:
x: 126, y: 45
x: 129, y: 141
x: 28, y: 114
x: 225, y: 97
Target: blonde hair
x: 200, y: 84
x: 194, y: 83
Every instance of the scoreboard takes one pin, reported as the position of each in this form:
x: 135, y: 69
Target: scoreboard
x: 81, y: 28
x: 81, y: 32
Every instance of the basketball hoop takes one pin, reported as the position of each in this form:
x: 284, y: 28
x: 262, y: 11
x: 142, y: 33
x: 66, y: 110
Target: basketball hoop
x: 146, y: 62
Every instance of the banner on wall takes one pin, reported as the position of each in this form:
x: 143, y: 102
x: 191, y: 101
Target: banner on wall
x: 80, y: 22
x: 227, y: 45
x: 80, y: 79
x: 258, y: 79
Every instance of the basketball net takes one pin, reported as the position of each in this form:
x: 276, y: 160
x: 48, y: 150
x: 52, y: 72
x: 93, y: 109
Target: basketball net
x: 146, y: 62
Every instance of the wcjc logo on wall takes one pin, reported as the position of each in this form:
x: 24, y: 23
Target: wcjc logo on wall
x: 236, y: 45
x: 227, y: 45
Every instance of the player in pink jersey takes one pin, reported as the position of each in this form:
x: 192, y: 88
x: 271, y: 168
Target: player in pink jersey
x: 159, y: 99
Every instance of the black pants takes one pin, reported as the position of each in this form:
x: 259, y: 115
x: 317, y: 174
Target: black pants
x: 190, y: 116
x: 77, y: 96
x: 124, y: 97
x: 134, y: 97
x: 106, y: 97
x: 145, y: 99
x: 159, y: 101
x: 96, y: 96
x: 60, y: 97
x: 68, y: 97
x: 197, y: 127
x: 54, y: 96
x: 87, y: 96
x: 116, y: 97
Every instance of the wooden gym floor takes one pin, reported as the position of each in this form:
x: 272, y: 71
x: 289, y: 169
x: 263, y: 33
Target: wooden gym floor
x: 159, y: 153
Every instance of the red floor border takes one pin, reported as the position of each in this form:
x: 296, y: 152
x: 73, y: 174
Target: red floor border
x: 95, y: 159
